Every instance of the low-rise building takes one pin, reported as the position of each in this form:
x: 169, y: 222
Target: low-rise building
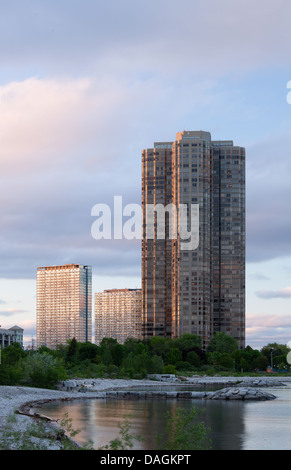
x: 11, y: 335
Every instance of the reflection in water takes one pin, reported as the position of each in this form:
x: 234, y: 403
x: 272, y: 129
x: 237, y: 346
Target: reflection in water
x: 234, y: 425
x: 98, y: 419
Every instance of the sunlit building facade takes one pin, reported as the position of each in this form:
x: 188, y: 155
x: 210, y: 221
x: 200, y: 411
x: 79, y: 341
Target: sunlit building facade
x: 118, y: 314
x: 64, y: 304
x: 198, y: 290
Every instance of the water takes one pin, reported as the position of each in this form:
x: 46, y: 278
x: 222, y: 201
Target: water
x: 235, y: 425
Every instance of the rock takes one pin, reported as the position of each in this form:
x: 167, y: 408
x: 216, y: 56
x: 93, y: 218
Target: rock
x: 198, y: 394
x: 240, y: 394
x: 69, y: 385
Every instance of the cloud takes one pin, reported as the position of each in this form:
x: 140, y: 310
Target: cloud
x: 67, y: 145
x: 56, y: 163
x: 259, y: 277
x: 46, y: 121
x: 267, y: 328
x: 268, y: 196
x: 106, y: 80
x: 268, y: 321
x: 145, y: 35
x: 281, y: 294
x: 11, y: 311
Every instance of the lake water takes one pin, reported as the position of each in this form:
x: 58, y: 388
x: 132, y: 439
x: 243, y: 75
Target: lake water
x: 234, y: 425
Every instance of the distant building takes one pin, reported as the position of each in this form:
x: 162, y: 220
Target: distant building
x: 11, y: 335
x: 198, y: 290
x: 118, y: 314
x: 64, y: 304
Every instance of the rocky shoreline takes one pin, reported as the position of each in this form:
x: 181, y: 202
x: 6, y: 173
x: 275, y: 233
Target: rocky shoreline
x: 19, y: 401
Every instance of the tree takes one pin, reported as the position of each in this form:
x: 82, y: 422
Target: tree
x: 248, y: 359
x: 135, y: 346
x: 11, y: 371
x: 173, y: 356
x: 193, y: 358
x: 223, y: 343
x: 88, y: 350
x: 260, y: 362
x: 43, y: 370
x: 274, y: 349
x: 160, y: 345
x: 188, y: 342
x: 12, y: 354
x: 71, y: 354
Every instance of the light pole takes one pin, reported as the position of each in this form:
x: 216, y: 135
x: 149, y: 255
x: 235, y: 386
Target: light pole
x: 272, y: 349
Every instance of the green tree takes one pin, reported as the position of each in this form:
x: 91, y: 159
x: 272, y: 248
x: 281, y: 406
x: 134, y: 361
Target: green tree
x: 173, y: 356
x: 223, y: 343
x: 88, y: 350
x: 158, y: 364
x: 188, y: 342
x: 280, y: 362
x: 249, y: 359
x: 135, y: 346
x: 169, y: 369
x: 11, y: 371
x: 117, y: 353
x: 12, y: 354
x: 42, y: 370
x: 10, y: 375
x: 271, y: 350
x: 160, y: 345
x: 193, y: 358
x: 111, y: 351
x: 220, y: 359
x: 260, y: 363
x: 71, y: 354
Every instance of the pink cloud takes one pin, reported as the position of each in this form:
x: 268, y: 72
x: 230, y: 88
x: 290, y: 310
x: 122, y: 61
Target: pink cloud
x: 39, y: 116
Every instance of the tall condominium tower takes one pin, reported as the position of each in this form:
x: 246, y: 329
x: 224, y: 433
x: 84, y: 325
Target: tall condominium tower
x: 193, y: 277
x: 64, y: 304
x: 118, y: 314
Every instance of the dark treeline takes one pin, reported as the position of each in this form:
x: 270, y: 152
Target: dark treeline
x: 136, y: 359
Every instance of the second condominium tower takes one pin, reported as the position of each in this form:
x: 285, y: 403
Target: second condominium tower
x: 193, y: 259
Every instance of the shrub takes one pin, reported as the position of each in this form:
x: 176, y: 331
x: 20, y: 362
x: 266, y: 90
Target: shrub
x: 184, y: 431
x: 42, y: 370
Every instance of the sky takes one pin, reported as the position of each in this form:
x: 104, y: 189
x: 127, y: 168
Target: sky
x: 86, y: 86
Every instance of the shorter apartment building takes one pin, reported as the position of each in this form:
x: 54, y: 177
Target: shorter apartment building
x: 118, y: 314
x: 11, y: 335
x: 64, y: 304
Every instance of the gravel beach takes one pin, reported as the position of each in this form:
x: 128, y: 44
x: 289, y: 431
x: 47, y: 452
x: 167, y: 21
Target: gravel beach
x: 14, y: 398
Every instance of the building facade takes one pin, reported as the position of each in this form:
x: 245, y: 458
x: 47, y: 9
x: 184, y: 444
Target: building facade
x: 64, y: 304
x: 118, y: 314
x: 11, y: 335
x: 193, y: 278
